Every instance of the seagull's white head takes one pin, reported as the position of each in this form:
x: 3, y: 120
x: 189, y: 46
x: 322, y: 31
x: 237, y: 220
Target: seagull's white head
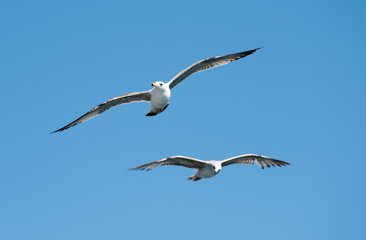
x: 217, y: 167
x: 159, y: 85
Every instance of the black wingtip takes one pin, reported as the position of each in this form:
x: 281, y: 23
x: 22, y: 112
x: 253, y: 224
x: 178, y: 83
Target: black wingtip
x: 252, y: 51
x: 54, y: 132
x: 150, y: 114
x: 249, y: 52
x: 139, y: 168
x: 58, y: 130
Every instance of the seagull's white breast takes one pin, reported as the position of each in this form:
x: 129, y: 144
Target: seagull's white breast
x: 160, y: 97
x: 206, y: 171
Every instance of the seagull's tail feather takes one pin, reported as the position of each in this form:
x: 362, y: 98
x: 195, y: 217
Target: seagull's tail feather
x: 194, y: 178
x: 155, y: 111
x: 150, y: 113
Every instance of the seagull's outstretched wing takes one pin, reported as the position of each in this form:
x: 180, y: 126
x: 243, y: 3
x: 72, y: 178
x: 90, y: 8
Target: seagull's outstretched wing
x: 176, y: 160
x: 123, y: 99
x: 261, y: 161
x: 207, y: 64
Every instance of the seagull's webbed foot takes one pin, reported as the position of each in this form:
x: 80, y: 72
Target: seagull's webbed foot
x: 194, y: 178
x: 162, y: 109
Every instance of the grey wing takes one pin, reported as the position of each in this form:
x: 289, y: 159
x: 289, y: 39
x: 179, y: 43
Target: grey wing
x: 261, y: 161
x: 207, y: 64
x: 176, y: 160
x: 123, y: 99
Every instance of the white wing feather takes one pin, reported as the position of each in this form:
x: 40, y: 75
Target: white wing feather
x: 101, y: 108
x: 261, y: 161
x: 176, y: 160
x: 207, y: 64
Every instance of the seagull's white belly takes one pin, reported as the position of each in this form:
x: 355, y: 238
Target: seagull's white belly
x: 206, y: 172
x: 159, y: 98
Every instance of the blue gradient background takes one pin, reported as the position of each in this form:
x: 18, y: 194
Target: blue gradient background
x: 300, y: 99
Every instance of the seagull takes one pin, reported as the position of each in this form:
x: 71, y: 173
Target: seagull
x: 207, y: 169
x: 158, y: 96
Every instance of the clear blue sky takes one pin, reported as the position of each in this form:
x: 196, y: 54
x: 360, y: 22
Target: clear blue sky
x: 300, y: 99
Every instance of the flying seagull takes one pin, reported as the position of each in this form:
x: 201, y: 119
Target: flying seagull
x: 158, y: 96
x: 207, y: 169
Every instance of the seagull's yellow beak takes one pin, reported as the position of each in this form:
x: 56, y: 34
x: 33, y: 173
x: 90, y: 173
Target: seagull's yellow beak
x: 154, y: 84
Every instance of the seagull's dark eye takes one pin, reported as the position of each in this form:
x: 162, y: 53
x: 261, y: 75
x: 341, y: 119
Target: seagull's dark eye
x: 161, y: 84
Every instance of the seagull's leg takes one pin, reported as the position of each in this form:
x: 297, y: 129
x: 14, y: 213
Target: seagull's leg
x: 194, y: 178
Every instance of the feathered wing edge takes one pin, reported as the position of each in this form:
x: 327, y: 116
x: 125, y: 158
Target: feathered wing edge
x: 123, y: 99
x: 176, y: 161
x: 261, y: 161
x: 207, y: 64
